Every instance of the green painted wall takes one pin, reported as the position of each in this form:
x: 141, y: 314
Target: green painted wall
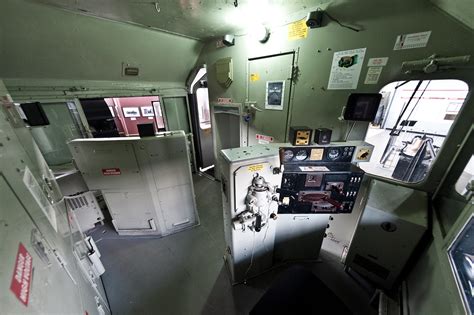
x: 38, y: 41
x: 315, y: 106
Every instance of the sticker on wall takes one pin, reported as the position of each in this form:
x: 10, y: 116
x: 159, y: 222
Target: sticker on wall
x: 297, y: 30
x: 262, y: 139
x: 377, y: 62
x: 22, y: 272
x: 410, y: 41
x: 345, y: 69
x: 254, y: 77
x: 373, y: 75
x: 274, y: 95
x: 255, y: 167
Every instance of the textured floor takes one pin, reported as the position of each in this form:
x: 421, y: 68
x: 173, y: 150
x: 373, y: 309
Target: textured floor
x: 184, y: 273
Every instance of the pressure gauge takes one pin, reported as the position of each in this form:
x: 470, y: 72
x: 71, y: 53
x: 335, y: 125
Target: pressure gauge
x: 334, y: 154
x: 301, y: 155
x: 288, y: 155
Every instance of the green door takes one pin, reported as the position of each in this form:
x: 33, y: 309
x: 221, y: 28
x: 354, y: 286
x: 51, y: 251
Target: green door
x: 270, y: 80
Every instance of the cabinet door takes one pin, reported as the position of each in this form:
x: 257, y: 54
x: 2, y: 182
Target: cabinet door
x: 32, y: 280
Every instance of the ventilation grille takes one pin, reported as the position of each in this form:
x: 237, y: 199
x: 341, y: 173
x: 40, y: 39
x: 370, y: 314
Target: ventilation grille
x: 77, y: 202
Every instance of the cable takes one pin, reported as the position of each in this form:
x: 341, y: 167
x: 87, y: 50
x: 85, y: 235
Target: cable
x: 251, y: 257
x: 340, y: 24
x: 349, y: 132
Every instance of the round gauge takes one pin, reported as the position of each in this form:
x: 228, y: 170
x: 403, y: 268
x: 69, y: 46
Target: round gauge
x: 288, y: 155
x: 301, y: 155
x: 334, y: 154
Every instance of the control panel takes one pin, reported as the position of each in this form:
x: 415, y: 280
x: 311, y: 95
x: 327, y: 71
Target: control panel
x: 317, y: 154
x: 318, y: 180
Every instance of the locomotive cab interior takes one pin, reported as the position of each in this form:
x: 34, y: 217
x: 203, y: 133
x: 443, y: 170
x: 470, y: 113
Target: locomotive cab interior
x: 236, y: 157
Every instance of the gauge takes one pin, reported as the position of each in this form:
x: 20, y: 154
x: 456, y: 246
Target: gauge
x: 288, y: 155
x: 334, y: 154
x: 301, y: 155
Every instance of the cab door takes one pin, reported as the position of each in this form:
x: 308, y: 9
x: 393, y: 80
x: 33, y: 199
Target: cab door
x: 269, y: 95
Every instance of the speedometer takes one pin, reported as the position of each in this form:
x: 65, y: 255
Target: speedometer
x: 301, y: 155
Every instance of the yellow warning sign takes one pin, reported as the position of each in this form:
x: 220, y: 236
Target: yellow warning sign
x: 254, y: 77
x: 297, y: 30
x: 256, y: 167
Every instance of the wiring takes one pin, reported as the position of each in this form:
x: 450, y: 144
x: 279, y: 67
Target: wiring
x: 340, y: 24
x: 251, y: 256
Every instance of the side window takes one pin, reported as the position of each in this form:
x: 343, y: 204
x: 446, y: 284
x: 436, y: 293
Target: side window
x: 411, y: 126
x: 465, y: 184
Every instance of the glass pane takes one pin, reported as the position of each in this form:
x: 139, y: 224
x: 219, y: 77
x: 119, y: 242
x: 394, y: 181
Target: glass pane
x: 204, y: 111
x: 176, y: 113
x: 461, y: 254
x: 408, y: 132
x: 465, y: 183
x: 52, y: 139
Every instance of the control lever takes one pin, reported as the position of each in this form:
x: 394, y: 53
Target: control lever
x: 254, y: 107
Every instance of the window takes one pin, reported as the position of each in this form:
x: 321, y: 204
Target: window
x: 461, y: 256
x: 204, y: 111
x: 410, y: 127
x: 465, y: 183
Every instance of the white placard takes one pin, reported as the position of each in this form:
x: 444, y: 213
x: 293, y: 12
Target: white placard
x: 414, y: 40
x: 377, y: 62
x: 373, y: 75
x: 314, y: 169
x: 345, y: 69
x: 275, y: 95
x: 147, y: 111
x: 131, y: 111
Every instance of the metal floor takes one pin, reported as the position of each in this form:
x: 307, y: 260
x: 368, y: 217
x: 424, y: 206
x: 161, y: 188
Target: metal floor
x: 184, y: 273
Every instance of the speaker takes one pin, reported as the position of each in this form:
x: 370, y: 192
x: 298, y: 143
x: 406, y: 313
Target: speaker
x: 146, y: 130
x: 322, y: 136
x: 315, y: 19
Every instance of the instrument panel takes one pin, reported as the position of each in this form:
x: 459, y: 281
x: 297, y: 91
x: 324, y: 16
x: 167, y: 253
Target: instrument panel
x: 316, y: 154
x: 323, y: 188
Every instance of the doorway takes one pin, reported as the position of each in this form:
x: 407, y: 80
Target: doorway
x: 201, y: 121
x: 269, y: 84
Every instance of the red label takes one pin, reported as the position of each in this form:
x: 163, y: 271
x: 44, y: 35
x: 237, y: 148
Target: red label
x: 264, y: 138
x: 111, y: 171
x: 21, y: 279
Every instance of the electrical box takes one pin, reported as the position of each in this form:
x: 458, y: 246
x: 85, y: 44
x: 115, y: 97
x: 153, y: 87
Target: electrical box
x: 392, y: 224
x: 146, y: 182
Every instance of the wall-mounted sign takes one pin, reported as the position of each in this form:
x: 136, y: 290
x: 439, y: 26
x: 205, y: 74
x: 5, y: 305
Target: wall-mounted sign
x: 111, y: 171
x: 147, y: 111
x: 263, y: 139
x: 377, y: 62
x: 274, y: 95
x: 131, y: 112
x: 373, y: 75
x: 345, y: 69
x: 297, y: 30
x: 414, y: 40
x: 22, y: 272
